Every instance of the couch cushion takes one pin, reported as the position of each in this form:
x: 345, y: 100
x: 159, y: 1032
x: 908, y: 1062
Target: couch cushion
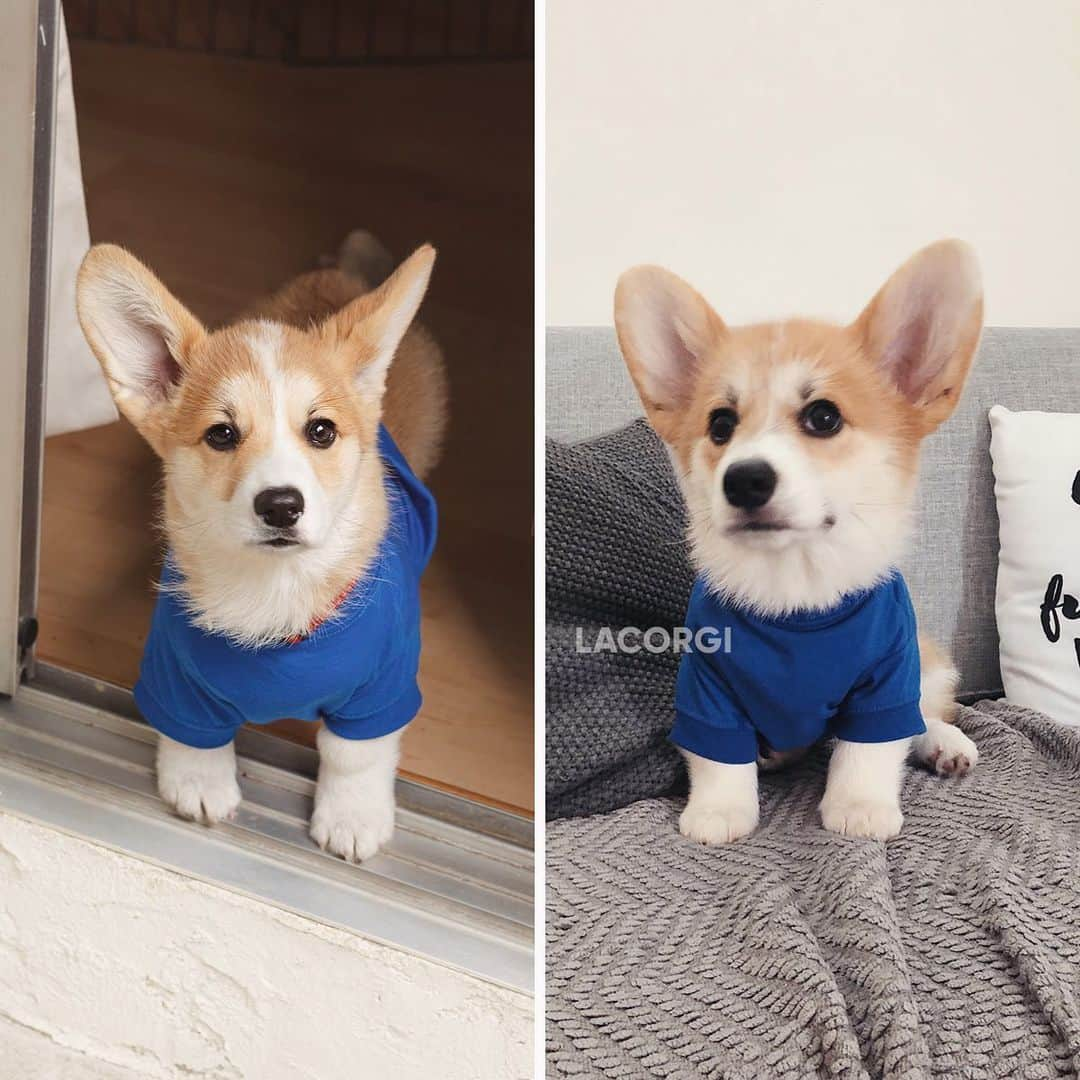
x: 951, y: 566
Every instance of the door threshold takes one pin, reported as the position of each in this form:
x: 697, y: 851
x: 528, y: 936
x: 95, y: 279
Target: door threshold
x: 454, y: 885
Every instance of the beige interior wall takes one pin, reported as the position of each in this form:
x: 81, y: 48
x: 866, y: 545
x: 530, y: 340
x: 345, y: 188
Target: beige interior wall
x: 785, y: 155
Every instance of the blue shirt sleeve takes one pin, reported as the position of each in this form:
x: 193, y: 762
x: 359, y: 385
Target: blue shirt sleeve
x: 413, y: 508
x: 884, y: 704
x: 170, y: 696
x: 384, y: 704
x: 707, y: 722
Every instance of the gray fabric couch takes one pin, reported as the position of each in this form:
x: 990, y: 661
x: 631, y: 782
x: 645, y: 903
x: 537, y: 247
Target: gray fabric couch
x: 952, y: 951
x: 952, y: 566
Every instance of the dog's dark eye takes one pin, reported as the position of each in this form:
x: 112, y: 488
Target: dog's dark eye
x: 821, y: 418
x: 222, y: 437
x: 722, y: 423
x: 321, y: 433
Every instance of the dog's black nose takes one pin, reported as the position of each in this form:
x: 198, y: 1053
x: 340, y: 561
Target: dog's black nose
x: 279, y: 507
x: 749, y: 484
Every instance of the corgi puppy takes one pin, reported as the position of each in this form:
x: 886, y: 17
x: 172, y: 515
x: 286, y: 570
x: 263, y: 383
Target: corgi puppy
x: 293, y: 443
x: 796, y: 446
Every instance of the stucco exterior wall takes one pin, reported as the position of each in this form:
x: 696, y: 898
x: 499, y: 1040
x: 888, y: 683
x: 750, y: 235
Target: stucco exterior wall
x: 122, y: 963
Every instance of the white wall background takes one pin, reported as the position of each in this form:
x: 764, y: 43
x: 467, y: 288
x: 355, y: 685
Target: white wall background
x: 784, y: 155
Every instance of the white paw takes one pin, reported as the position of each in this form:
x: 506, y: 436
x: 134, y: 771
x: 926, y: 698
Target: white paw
x: 862, y: 817
x: 711, y: 824
x: 198, y: 784
x: 946, y: 749
x: 349, y: 823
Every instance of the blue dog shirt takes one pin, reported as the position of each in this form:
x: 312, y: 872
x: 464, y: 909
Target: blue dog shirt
x: 851, y: 671
x: 356, y: 671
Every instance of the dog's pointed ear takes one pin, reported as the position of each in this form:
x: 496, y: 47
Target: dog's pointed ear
x: 140, y: 333
x: 665, y: 329
x: 375, y: 323
x: 923, y: 326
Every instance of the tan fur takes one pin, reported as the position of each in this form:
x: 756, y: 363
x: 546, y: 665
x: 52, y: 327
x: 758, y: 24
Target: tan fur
x: 934, y: 661
x: 736, y: 364
x: 737, y: 369
x: 416, y: 402
x: 934, y: 403
x: 415, y: 407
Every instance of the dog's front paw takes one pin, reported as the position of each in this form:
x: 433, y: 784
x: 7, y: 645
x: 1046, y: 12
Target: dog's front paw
x: 712, y: 824
x: 199, y: 785
x: 874, y: 820
x: 946, y: 749
x: 350, y: 824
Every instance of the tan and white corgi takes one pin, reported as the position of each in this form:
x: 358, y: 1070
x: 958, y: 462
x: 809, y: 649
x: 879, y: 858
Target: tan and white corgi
x: 796, y: 446
x: 275, y: 504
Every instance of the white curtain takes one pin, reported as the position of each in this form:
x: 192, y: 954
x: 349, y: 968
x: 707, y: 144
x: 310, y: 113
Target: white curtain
x: 76, y: 393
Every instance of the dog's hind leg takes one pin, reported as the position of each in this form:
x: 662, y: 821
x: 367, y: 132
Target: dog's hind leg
x: 944, y: 748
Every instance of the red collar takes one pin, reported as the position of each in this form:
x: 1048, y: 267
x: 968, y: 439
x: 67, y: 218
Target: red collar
x: 338, y: 601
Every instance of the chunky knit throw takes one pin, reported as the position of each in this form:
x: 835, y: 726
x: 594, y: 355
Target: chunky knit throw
x: 951, y: 951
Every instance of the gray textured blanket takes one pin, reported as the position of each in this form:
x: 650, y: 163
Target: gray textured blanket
x: 951, y: 951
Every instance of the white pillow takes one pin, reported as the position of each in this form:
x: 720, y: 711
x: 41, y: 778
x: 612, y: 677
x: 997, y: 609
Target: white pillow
x: 1036, y: 458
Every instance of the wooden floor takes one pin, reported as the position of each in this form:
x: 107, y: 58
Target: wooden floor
x: 227, y: 177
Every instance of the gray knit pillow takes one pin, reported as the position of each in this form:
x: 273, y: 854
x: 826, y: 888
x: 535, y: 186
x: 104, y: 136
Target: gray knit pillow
x: 616, y: 557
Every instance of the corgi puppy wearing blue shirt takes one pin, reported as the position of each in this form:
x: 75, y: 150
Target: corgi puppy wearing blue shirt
x: 297, y: 525
x: 796, y: 446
